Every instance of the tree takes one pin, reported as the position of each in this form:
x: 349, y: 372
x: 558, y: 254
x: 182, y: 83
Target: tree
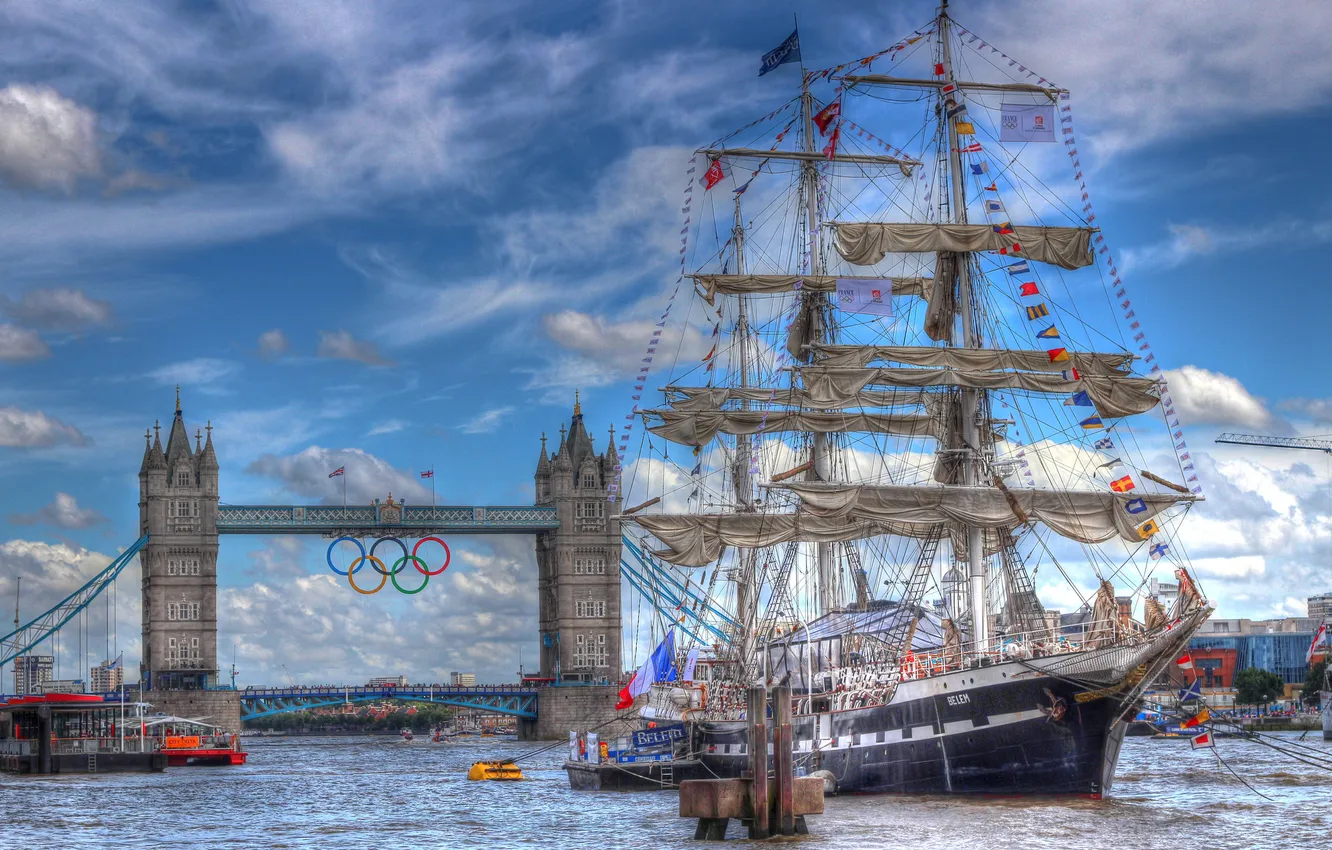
x: 1254, y: 686
x: 1313, y: 683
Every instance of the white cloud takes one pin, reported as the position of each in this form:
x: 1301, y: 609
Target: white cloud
x: 367, y: 477
x: 1127, y: 63
x: 21, y: 344
x: 341, y: 345
x: 388, y: 426
x: 46, y: 141
x: 34, y: 429
x: 1238, y: 566
x: 486, y: 421
x: 273, y: 343
x: 58, y: 309
x: 63, y: 512
x: 1204, y: 396
x: 203, y: 373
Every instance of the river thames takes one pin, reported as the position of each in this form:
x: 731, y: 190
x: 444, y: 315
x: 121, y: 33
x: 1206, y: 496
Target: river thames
x: 382, y: 792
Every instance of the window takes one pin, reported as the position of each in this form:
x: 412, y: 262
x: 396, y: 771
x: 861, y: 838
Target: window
x: 182, y: 508
x: 589, y: 566
x: 590, y: 514
x: 589, y: 480
x: 182, y: 610
x: 184, y: 478
x: 182, y: 566
x: 590, y: 608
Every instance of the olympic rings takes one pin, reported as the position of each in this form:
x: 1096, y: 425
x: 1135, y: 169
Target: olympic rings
x: 401, y: 545
x: 420, y: 565
x: 329, y: 555
x: 383, y: 575
x: 448, y: 556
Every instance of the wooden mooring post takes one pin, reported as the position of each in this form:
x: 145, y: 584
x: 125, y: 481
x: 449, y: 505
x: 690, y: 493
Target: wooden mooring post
x: 768, y: 806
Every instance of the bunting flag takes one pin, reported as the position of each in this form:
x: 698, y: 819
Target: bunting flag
x: 429, y: 473
x: 994, y: 205
x: 1192, y: 692
x: 1185, y: 662
x: 1080, y: 399
x: 1105, y: 443
x: 1018, y: 268
x: 979, y: 168
x: 1148, y: 528
x: 830, y: 149
x: 1029, y: 289
x: 1203, y: 741
x: 1319, y: 636
x: 1015, y: 248
x: 827, y: 115
x: 341, y: 470
x: 991, y: 188
x: 1049, y: 333
x: 965, y: 128
x: 1198, y: 719
x: 1122, y: 485
x: 1091, y: 423
x: 1037, y: 311
x: 1135, y: 506
x: 974, y: 147
x: 713, y: 175
x: 1058, y: 355
x: 1004, y: 228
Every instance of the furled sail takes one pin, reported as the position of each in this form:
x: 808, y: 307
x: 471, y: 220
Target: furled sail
x: 697, y: 540
x: 1087, y: 516
x: 866, y: 243
x: 713, y: 398
x: 764, y: 284
x: 699, y: 427
x: 1113, y: 395
x: 972, y: 359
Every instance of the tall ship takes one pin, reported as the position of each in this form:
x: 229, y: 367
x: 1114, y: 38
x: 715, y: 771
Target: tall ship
x: 926, y: 397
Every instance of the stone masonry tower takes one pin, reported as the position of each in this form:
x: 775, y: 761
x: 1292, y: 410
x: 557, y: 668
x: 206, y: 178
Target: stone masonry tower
x: 178, y: 510
x: 579, y: 565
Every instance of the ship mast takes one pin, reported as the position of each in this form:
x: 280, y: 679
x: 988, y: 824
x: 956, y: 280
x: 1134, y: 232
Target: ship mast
x: 818, y: 332
x: 969, y: 397
x: 746, y: 584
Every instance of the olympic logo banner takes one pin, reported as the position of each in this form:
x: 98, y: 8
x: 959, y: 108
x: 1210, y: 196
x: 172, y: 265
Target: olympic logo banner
x: 387, y: 574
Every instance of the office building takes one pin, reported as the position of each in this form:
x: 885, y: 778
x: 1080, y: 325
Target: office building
x: 31, y: 673
x: 462, y: 680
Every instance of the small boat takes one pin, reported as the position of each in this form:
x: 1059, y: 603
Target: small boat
x: 503, y: 771
x: 406, y: 734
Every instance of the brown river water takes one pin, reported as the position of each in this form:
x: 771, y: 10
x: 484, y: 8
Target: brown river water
x: 385, y: 793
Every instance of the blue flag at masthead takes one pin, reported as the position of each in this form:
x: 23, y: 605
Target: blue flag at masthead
x: 787, y: 51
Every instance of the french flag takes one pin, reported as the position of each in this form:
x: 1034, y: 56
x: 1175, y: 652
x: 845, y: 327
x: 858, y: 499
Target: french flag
x: 658, y: 667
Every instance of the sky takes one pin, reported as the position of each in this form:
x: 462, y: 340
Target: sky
x: 396, y: 236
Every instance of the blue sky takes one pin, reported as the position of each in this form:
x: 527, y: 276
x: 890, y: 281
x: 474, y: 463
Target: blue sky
x: 397, y: 235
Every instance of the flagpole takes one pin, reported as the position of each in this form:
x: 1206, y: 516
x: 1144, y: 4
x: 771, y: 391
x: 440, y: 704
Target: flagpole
x: 344, y: 489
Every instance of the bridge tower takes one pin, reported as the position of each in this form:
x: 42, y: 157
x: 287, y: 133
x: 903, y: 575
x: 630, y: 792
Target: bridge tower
x: 178, y: 510
x: 579, y: 564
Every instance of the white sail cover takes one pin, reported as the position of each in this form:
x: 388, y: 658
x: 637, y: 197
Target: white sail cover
x: 972, y: 359
x: 712, y: 398
x: 699, y: 427
x: 1114, y: 395
x: 840, y: 513
x: 1087, y: 516
x: 764, y: 284
x: 866, y: 243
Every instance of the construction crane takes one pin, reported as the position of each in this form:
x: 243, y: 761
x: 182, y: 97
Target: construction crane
x: 1277, y: 442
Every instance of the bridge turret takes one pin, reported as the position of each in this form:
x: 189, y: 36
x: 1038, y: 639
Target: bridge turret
x: 178, y: 510
x: 578, y: 565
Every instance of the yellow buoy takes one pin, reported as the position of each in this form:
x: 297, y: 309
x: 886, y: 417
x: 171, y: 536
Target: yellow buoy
x: 496, y: 770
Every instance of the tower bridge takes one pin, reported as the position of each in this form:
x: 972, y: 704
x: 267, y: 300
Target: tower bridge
x: 575, y: 524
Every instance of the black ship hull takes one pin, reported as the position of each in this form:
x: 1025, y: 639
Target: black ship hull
x: 1000, y: 730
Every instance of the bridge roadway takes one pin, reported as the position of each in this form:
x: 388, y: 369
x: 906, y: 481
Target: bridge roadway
x: 385, y: 519
x: 263, y: 701
x: 514, y: 700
